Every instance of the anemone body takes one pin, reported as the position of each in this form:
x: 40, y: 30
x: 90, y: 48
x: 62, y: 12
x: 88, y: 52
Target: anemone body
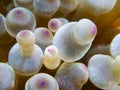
x: 29, y: 56
x: 7, y: 77
x: 71, y: 76
x: 41, y: 81
x: 18, y: 19
x: 51, y: 57
x: 43, y: 37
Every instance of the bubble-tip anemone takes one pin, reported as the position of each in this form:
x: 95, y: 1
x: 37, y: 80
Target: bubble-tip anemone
x: 51, y: 57
x: 115, y: 46
x: 43, y: 37
x: 71, y: 76
x: 23, y: 3
x: 86, y: 31
x: 100, y: 70
x: 98, y: 7
x: 73, y: 41
x: 104, y: 70
x: 54, y: 24
x: 4, y: 36
x: 29, y: 56
x: 7, y: 77
x: 68, y: 6
x: 18, y: 19
x: 45, y: 8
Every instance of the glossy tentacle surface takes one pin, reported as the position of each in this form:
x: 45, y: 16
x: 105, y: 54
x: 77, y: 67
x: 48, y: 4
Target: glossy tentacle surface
x: 71, y: 76
x: 41, y: 81
x: 29, y: 56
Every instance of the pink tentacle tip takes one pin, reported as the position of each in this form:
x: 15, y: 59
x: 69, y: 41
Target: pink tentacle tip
x: 52, y: 24
x: 42, y: 84
x: 18, y: 12
x: 94, y: 32
x: 51, y: 51
x: 24, y: 33
x: 46, y: 33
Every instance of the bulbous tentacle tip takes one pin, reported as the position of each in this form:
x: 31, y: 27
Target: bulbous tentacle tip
x: 45, y: 8
x: 2, y: 24
x: 23, y: 3
x: 51, y: 50
x: 43, y: 33
x: 42, y: 81
x: 2, y: 18
x: 18, y: 19
x: 54, y: 24
x: 68, y: 40
x: 24, y: 33
x: 115, y: 87
x: 43, y: 37
x: 103, y: 66
x: 86, y: 31
x: 46, y: 33
x: 7, y: 77
x: 18, y: 13
x: 51, y: 57
x: 25, y: 37
x: 68, y: 6
x: 94, y: 32
x: 98, y: 7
